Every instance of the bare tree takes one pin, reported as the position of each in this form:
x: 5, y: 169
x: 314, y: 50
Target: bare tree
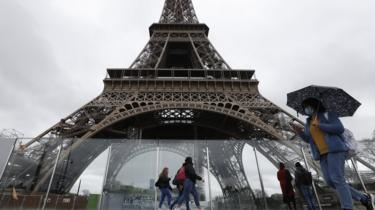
x: 11, y: 133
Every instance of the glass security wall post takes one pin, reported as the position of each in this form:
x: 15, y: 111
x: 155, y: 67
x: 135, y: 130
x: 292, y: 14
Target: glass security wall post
x: 156, y: 175
x: 239, y: 200
x: 261, y: 180
x: 359, y: 175
x: 40, y: 202
x: 225, y: 203
x: 208, y: 175
x: 23, y: 202
x: 52, y: 175
x: 74, y: 202
x: 105, y: 176
x: 57, y: 200
x: 76, y: 195
x: 313, y: 184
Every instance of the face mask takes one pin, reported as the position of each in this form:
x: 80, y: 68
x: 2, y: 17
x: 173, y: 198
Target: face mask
x: 309, y: 111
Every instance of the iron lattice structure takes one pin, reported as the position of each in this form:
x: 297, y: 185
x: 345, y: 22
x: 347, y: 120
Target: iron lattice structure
x: 178, y: 11
x: 179, y: 87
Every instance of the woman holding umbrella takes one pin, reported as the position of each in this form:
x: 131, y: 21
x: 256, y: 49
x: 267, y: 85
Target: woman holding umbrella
x: 323, y: 131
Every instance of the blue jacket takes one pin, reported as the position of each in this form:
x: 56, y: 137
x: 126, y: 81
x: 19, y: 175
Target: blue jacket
x: 332, y: 127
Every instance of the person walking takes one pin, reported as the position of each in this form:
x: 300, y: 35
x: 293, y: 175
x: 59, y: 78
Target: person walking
x: 179, y: 182
x: 323, y: 131
x: 189, y: 184
x: 164, y: 187
x: 303, y: 182
x: 285, y: 179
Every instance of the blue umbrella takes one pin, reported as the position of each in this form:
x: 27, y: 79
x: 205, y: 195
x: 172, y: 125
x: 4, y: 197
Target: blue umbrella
x: 332, y: 98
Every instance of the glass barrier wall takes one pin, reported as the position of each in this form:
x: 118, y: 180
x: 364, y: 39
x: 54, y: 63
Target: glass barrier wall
x: 130, y: 175
x: 172, y: 155
x: 53, y: 174
x: 78, y: 174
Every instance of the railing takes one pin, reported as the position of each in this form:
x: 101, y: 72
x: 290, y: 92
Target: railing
x: 179, y: 74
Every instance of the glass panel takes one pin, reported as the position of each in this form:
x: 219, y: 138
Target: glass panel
x: 131, y: 176
x: 226, y: 166
x: 268, y: 172
x: 172, y: 155
x: 77, y: 182
x: 27, y: 166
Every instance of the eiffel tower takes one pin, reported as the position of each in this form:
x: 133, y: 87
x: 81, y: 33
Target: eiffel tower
x: 179, y: 87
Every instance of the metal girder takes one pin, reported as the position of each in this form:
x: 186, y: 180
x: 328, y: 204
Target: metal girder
x: 282, y: 151
x: 124, y: 112
x: 178, y: 11
x: 205, y: 53
x: 151, y: 53
x: 208, y: 55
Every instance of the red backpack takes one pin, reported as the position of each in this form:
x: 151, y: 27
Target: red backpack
x: 180, y: 176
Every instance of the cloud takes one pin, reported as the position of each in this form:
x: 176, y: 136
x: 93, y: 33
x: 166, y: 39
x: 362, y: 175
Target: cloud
x: 292, y: 44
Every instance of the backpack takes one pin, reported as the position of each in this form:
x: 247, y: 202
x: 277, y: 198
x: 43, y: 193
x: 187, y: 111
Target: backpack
x: 288, y: 176
x: 349, y: 141
x: 306, y: 178
x: 180, y: 176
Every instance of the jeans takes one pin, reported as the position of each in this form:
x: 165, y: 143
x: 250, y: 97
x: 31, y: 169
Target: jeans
x: 165, y: 192
x: 309, y: 196
x: 333, y: 169
x: 186, y: 201
x: 189, y: 187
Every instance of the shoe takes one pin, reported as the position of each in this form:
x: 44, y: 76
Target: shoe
x: 369, y: 202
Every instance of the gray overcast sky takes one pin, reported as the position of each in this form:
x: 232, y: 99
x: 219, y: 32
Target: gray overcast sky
x: 54, y: 54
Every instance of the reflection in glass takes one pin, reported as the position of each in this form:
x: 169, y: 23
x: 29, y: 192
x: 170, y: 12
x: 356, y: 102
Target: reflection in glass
x: 228, y: 168
x: 173, y: 154
x: 131, y: 176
